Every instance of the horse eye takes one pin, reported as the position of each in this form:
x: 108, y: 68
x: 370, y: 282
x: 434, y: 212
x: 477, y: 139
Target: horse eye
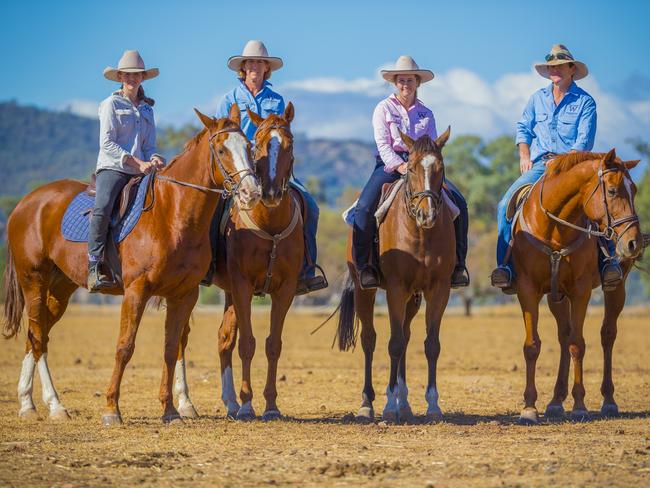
x: 611, y: 192
x: 221, y: 152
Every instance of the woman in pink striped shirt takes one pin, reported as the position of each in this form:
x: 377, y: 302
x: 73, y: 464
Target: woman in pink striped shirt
x: 401, y: 111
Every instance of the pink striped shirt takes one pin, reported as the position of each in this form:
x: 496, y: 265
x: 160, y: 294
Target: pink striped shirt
x: 389, y: 117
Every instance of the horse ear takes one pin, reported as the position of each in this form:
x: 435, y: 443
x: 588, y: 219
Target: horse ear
x: 205, y: 120
x: 289, y: 112
x: 610, y: 158
x: 234, y: 114
x: 443, y: 138
x: 631, y: 164
x: 407, y: 141
x: 257, y: 120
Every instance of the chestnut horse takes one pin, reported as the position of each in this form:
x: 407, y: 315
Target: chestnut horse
x: 417, y: 255
x: 577, y: 190
x: 165, y: 255
x: 263, y: 254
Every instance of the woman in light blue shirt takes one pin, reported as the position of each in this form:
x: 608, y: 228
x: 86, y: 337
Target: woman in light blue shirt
x: 127, y: 145
x: 559, y: 118
x: 253, y: 92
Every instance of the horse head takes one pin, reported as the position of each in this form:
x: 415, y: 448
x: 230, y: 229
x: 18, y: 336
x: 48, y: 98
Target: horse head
x: 230, y: 157
x: 611, y: 205
x: 424, y: 178
x: 273, y: 155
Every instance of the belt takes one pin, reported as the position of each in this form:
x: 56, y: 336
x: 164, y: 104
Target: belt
x: 548, y: 156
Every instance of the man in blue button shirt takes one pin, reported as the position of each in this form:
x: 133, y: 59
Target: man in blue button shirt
x: 254, y: 92
x: 559, y: 118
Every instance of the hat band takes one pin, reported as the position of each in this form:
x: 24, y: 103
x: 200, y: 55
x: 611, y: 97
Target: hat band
x: 559, y: 56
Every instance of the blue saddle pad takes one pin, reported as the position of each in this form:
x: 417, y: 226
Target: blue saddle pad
x: 76, y: 220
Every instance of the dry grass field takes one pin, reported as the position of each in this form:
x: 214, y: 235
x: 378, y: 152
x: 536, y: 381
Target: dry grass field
x: 481, y: 382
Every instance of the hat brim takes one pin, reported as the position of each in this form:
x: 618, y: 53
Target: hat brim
x: 424, y: 74
x: 111, y: 73
x: 235, y: 62
x: 581, y: 68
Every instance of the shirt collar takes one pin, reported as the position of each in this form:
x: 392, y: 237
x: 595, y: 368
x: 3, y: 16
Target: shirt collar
x: 119, y: 93
x: 243, y: 86
x: 573, y: 89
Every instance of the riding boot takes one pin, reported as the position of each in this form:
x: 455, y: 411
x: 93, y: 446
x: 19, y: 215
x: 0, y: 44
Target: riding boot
x: 97, y: 279
x: 611, y: 274
x: 460, y: 276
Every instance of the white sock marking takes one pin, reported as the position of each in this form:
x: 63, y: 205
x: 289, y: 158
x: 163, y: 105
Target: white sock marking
x: 50, y: 397
x: 181, y: 390
x: 26, y: 383
x: 228, y: 394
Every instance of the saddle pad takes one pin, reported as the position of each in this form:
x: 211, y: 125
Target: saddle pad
x: 76, y: 220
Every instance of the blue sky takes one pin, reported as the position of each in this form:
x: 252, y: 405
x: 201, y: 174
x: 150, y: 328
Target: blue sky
x: 481, y: 52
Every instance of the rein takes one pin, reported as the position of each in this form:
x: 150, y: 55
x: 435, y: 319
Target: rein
x: 418, y: 197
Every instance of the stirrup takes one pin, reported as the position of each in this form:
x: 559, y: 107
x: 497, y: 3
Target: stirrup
x: 460, y: 277
x: 612, y: 276
x: 501, y: 277
x: 369, y: 278
x: 315, y: 283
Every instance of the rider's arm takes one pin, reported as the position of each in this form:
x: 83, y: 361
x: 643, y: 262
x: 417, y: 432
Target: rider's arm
x: 586, y: 127
x: 525, y: 135
x: 384, y: 140
x: 223, y: 109
x: 108, y: 124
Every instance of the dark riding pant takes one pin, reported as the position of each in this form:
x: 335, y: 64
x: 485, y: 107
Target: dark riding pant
x: 461, y: 224
x: 109, y: 184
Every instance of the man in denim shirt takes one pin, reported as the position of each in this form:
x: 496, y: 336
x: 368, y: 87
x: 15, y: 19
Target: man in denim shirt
x: 559, y: 118
x: 254, y: 92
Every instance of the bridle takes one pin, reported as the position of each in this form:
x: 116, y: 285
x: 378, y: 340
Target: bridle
x: 230, y: 185
x: 609, y: 232
x: 414, y: 200
x: 258, y: 148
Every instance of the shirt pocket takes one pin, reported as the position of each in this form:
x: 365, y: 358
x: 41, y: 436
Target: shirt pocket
x: 125, y: 119
x: 270, y: 106
x: 567, y: 126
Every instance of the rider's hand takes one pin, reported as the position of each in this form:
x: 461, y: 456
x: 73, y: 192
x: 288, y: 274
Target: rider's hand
x: 525, y: 164
x: 402, y: 168
x: 143, y: 166
x: 157, y: 162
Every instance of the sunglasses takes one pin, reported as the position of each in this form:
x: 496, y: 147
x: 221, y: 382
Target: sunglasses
x: 558, y: 56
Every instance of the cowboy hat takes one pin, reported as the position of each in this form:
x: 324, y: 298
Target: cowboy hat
x: 130, y: 62
x: 406, y: 65
x: 561, y: 55
x: 254, y: 50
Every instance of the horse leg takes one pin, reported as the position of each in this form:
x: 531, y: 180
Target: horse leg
x: 562, y: 313
x: 529, y: 299
x: 404, y: 409
x: 397, y: 300
x: 181, y: 390
x: 227, y: 339
x: 178, y: 316
x: 437, y: 299
x: 614, y: 302
x: 281, y: 301
x: 242, y: 295
x: 135, y: 300
x: 364, y: 301
x: 579, y: 303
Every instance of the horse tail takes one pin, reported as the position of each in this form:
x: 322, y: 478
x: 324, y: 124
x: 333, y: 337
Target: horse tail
x: 14, y: 300
x: 348, y: 326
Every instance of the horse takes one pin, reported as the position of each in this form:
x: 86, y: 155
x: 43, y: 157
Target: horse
x: 165, y: 255
x: 417, y: 256
x: 263, y: 254
x: 581, y: 195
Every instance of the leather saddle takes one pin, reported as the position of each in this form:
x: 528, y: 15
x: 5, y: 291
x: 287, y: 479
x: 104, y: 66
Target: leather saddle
x: 125, y: 199
x: 517, y: 199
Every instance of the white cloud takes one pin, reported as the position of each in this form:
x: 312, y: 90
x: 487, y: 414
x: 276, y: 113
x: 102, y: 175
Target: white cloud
x: 330, y: 85
x: 85, y: 108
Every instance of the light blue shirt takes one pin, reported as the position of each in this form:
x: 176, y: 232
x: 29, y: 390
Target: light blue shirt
x: 265, y: 103
x: 125, y: 130
x: 548, y: 128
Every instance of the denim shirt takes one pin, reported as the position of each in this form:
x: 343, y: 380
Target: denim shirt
x: 125, y: 130
x: 265, y: 103
x: 548, y: 128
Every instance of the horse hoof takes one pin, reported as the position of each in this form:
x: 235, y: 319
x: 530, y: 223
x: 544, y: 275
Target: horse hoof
x: 366, y: 413
x: 554, y: 412
x: 579, y: 416
x: 405, y: 415
x: 609, y: 410
x: 389, y: 416
x: 188, y: 412
x: 528, y: 416
x: 271, y: 415
x: 60, y: 414
x: 246, y: 413
x: 29, y: 414
x: 111, y: 419
x: 434, y: 416
x: 172, y: 419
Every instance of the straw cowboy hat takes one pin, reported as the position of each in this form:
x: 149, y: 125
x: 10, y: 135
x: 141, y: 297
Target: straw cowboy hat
x: 406, y: 65
x: 561, y: 55
x: 130, y: 62
x: 254, y: 50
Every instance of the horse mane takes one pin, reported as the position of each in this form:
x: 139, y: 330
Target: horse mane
x: 567, y: 161
x: 425, y: 145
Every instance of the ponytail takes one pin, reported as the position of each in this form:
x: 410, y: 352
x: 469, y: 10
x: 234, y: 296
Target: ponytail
x: 145, y: 99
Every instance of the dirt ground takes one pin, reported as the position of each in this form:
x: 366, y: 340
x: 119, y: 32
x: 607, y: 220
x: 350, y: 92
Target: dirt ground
x: 481, y: 381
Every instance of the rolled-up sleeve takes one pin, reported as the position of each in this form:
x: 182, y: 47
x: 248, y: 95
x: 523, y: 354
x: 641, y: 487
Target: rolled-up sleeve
x: 526, y: 124
x: 108, y: 133
x: 384, y: 140
x: 586, y: 127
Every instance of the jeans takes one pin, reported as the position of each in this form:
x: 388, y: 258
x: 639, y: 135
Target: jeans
x: 109, y: 184
x: 504, y: 225
x: 310, y: 228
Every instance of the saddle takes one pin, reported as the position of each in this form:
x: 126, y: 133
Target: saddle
x: 517, y: 200
x: 127, y: 195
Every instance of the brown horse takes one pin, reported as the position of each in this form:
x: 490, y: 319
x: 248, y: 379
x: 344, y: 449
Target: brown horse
x: 166, y: 255
x: 263, y: 254
x: 417, y: 255
x: 554, y: 223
